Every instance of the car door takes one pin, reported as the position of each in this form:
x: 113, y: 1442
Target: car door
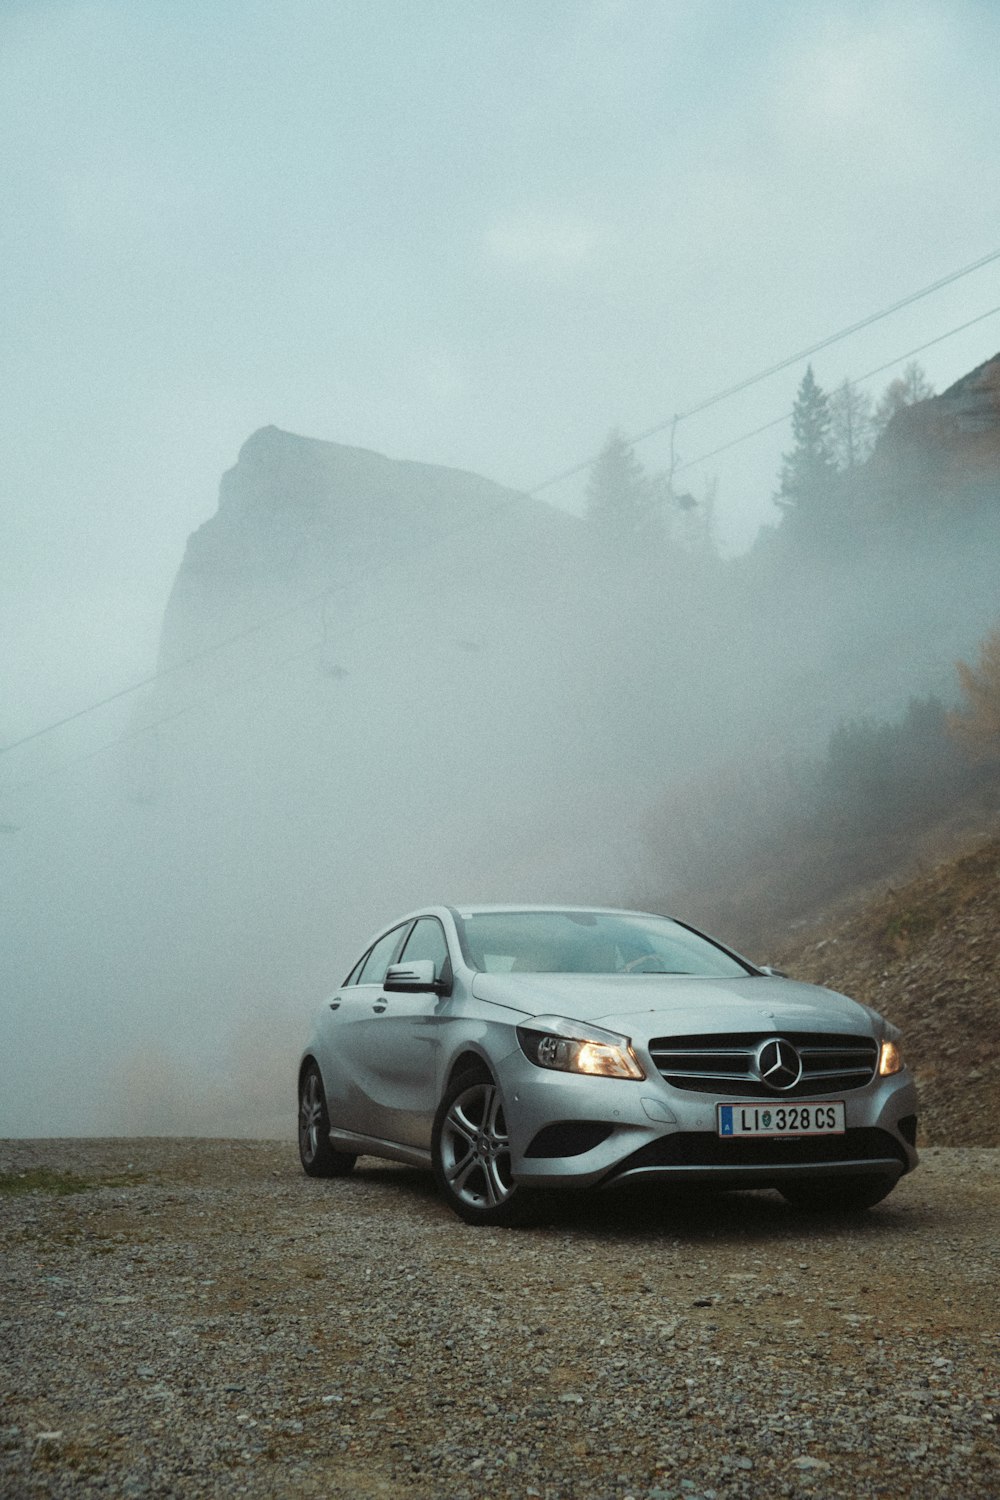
x: 337, y: 1080
x: 350, y: 1066
x: 406, y: 1044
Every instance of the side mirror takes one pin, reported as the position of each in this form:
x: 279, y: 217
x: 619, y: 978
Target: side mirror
x: 412, y: 978
x: 771, y: 972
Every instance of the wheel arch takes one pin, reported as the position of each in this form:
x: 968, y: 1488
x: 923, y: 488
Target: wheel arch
x: 468, y: 1061
x: 307, y: 1061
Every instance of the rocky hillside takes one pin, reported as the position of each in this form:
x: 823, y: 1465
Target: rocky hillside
x: 947, y: 447
x: 927, y: 955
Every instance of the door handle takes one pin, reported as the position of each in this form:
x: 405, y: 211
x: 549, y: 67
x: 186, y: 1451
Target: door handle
x: 378, y: 1007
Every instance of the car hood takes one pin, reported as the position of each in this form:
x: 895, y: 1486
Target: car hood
x: 648, y: 1005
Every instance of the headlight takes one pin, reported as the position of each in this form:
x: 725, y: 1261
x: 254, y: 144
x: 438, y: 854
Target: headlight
x: 569, y: 1047
x: 890, y: 1059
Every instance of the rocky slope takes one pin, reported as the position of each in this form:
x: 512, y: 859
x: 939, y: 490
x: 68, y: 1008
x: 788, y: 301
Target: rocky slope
x: 947, y: 446
x: 926, y: 953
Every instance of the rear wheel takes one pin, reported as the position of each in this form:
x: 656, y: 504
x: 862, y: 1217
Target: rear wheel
x: 471, y: 1153
x: 850, y: 1195
x: 317, y: 1156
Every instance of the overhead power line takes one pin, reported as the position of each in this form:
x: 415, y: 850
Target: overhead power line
x: 317, y: 645
x: 858, y: 380
x: 177, y: 666
x: 230, y: 640
x: 783, y: 364
x: 140, y: 730
x: 713, y: 400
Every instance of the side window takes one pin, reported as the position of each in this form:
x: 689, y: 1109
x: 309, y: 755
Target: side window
x: 380, y: 957
x: 352, y: 977
x: 427, y: 940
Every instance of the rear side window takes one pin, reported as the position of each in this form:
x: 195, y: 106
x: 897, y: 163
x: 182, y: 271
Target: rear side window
x: 352, y: 977
x: 380, y: 958
x: 427, y: 940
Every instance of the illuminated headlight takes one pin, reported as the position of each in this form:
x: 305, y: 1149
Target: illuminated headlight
x: 890, y: 1059
x: 552, y: 1042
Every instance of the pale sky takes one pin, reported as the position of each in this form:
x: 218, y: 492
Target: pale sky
x: 479, y: 233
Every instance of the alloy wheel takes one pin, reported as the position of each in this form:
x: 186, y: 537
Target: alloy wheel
x: 311, y: 1112
x: 474, y: 1148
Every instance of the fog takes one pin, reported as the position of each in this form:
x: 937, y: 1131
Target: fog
x: 302, y: 306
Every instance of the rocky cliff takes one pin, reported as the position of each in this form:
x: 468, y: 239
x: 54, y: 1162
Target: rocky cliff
x: 946, y: 448
x: 298, y: 516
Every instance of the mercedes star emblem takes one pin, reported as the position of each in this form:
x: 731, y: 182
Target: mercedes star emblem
x: 779, y: 1066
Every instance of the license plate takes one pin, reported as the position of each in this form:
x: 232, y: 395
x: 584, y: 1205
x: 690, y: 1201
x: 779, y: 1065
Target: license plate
x: 824, y: 1118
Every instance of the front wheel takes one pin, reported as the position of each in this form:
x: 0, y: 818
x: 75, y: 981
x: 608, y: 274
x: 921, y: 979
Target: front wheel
x: 317, y: 1156
x: 849, y: 1195
x: 471, y: 1154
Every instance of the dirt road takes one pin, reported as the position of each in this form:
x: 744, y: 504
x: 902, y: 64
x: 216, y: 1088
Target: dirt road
x: 202, y: 1320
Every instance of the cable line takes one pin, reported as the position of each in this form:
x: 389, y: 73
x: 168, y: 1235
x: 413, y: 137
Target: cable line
x: 579, y: 468
x: 199, y: 703
x: 177, y: 666
x: 142, y: 729
x: 783, y: 364
x: 230, y: 640
x: 858, y: 380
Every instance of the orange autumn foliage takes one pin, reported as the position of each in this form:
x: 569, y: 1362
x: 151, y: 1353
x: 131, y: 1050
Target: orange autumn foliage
x: 977, y: 728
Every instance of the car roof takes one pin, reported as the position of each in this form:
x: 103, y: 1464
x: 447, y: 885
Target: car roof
x: 477, y: 909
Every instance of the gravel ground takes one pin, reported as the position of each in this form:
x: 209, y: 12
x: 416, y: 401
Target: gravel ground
x: 203, y: 1320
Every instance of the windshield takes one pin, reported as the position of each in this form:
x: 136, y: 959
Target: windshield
x: 590, y: 942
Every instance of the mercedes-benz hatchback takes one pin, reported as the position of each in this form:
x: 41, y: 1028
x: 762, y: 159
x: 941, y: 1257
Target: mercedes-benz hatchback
x: 520, y: 1050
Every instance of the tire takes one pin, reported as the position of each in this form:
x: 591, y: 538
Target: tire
x: 850, y: 1195
x: 317, y: 1156
x: 471, y: 1154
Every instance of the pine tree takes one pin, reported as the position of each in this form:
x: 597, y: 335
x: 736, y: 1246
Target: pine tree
x: 852, y: 427
x: 809, y: 472
x: 621, y: 497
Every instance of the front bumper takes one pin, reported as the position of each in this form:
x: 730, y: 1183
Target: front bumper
x: 603, y: 1131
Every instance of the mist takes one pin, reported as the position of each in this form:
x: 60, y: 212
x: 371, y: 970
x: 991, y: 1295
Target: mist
x: 272, y: 447
x: 383, y: 684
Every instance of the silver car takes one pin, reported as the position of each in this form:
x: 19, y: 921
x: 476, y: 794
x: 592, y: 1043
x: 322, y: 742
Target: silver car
x: 520, y: 1050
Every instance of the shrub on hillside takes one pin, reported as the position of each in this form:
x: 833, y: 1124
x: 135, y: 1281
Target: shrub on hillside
x: 755, y: 844
x: 879, y: 777
x: 977, y: 728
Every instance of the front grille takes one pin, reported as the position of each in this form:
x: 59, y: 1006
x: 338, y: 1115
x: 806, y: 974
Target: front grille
x: 702, y: 1149
x: 726, y: 1064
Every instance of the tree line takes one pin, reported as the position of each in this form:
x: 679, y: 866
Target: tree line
x: 833, y: 436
